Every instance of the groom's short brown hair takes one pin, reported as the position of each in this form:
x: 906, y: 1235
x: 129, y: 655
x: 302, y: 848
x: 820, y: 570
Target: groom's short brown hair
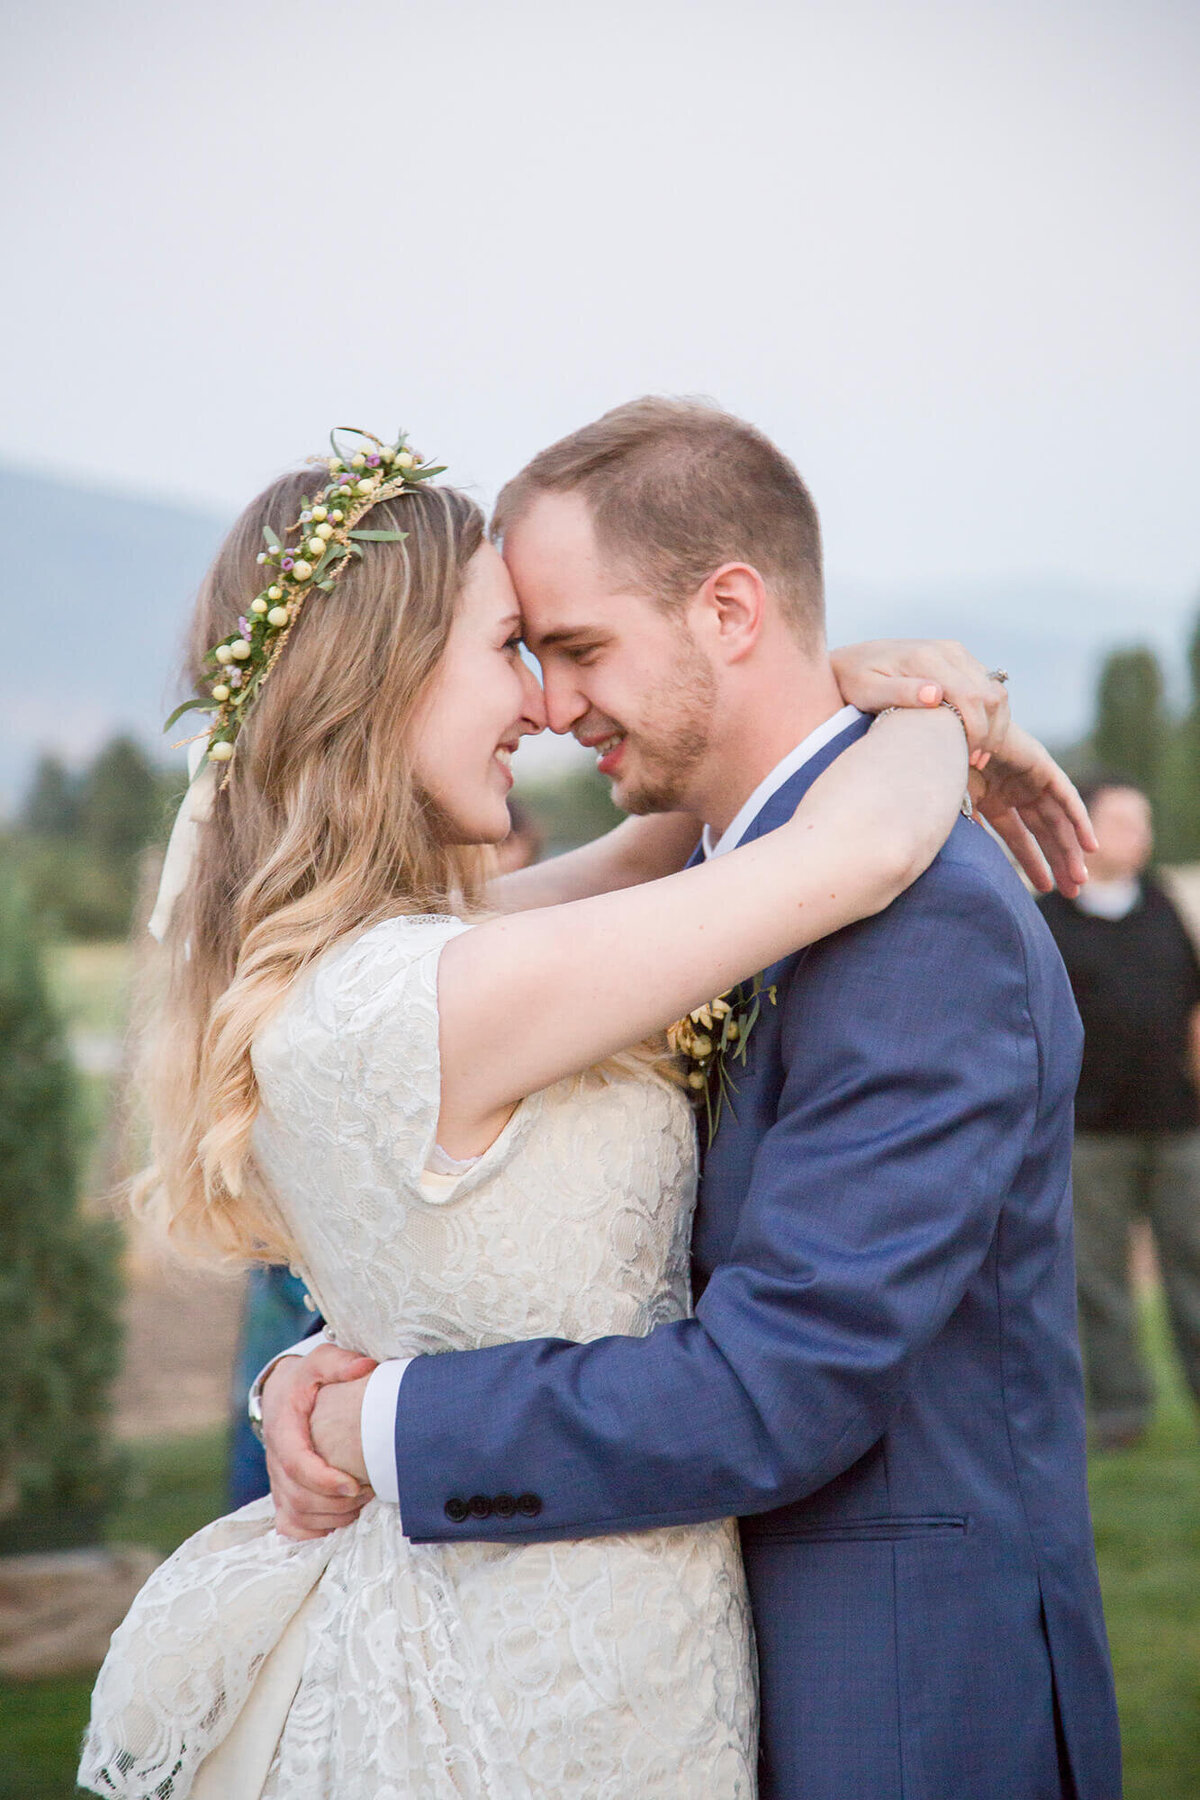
x: 678, y: 487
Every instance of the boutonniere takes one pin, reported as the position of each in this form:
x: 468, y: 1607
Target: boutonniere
x: 712, y: 1038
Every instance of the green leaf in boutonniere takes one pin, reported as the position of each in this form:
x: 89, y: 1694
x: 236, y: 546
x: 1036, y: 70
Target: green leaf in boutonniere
x: 714, y: 1036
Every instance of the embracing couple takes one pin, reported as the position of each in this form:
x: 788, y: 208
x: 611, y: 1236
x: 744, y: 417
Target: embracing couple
x: 619, y: 1470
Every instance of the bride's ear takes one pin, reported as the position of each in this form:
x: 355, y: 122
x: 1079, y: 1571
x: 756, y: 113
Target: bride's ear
x: 732, y: 608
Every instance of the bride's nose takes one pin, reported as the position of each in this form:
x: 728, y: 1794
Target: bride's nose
x: 533, y: 702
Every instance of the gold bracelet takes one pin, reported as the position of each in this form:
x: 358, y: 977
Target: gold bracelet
x: 883, y: 713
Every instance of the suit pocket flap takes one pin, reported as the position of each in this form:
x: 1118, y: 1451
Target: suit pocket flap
x: 859, y: 1531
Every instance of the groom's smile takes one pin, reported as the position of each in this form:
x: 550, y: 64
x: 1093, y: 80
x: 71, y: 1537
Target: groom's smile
x: 607, y: 740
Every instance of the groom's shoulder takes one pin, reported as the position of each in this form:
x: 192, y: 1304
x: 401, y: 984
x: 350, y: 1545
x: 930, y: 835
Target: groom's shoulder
x: 971, y: 878
x: 970, y: 902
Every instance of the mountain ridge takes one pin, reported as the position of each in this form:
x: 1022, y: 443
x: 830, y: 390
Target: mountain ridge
x: 96, y: 588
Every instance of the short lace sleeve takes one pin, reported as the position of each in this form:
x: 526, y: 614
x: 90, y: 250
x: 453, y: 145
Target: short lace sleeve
x: 376, y: 1006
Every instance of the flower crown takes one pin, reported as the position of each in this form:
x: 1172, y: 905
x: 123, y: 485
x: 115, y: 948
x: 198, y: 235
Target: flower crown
x: 327, y: 541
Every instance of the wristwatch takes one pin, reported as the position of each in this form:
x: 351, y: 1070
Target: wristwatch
x: 254, y: 1413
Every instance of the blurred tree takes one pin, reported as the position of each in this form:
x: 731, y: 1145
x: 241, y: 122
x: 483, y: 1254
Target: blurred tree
x: 52, y: 805
x: 571, y: 810
x: 121, y: 802
x: 79, y: 838
x: 1131, y: 729
x: 1180, y: 827
x: 58, y: 1274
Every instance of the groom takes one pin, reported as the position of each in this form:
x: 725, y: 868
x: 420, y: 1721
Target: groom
x: 881, y: 1378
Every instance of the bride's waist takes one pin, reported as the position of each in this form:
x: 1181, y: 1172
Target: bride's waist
x: 439, y: 1339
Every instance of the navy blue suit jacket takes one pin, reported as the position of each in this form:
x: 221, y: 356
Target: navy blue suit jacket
x: 882, y: 1375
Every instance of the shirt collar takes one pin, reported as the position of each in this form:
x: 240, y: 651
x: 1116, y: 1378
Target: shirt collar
x: 1110, y: 899
x: 783, y: 771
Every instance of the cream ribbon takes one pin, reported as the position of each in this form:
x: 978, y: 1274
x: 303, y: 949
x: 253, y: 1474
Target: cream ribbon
x: 195, y: 807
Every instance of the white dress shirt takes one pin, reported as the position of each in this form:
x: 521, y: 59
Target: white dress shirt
x: 382, y: 1395
x: 770, y: 784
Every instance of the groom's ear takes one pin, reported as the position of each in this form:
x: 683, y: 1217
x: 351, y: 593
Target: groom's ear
x: 731, y: 608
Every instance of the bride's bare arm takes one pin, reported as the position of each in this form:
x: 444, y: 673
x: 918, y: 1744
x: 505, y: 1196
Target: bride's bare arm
x: 635, y: 850
x: 531, y: 997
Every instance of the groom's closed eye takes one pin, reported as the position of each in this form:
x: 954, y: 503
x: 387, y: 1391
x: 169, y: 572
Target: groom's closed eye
x: 570, y: 642
x: 579, y: 651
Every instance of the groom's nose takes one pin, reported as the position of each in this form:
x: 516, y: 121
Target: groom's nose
x: 565, y: 705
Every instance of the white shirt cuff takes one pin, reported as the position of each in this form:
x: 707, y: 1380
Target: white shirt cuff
x: 378, y: 1427
x: 304, y: 1348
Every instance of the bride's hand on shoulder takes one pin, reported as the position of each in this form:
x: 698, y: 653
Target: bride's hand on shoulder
x: 924, y: 672
x: 1034, y: 807
x: 1017, y: 786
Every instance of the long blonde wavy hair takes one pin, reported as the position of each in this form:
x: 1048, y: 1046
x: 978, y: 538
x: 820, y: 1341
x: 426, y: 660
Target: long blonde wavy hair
x: 322, y: 830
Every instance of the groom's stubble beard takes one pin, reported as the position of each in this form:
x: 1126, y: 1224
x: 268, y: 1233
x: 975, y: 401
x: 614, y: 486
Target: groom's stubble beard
x: 674, y: 737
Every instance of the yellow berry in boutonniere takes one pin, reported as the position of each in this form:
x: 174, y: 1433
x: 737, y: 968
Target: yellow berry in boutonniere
x: 301, y: 570
x: 259, y: 605
x: 223, y: 653
x: 733, y: 1031
x: 335, y: 465
x: 359, y: 461
x: 695, y: 1080
x: 336, y: 516
x: 220, y: 692
x: 325, y: 532
x: 405, y: 460
x: 277, y: 616
x: 320, y: 512
x: 274, y: 593
x: 239, y: 651
x: 221, y: 752
x: 315, y: 546
x: 365, y: 486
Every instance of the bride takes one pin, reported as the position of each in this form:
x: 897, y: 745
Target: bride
x: 366, y: 1066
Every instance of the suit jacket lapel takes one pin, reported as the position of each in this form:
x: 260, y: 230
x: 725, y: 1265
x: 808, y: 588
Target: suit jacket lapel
x: 783, y: 803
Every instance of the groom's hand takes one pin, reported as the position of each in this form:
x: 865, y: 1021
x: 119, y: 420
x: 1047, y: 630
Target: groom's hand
x: 312, y: 1496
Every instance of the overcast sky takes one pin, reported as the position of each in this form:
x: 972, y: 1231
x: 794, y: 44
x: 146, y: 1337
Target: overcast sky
x: 944, y: 251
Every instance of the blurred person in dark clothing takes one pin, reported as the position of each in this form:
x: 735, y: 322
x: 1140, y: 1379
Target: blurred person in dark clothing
x: 1136, y: 979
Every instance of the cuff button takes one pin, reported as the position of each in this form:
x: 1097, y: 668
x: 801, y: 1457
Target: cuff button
x: 530, y: 1505
x: 456, y: 1511
x: 479, y: 1506
x: 504, y: 1506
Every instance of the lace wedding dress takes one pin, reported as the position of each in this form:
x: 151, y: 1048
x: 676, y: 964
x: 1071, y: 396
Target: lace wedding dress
x: 363, y: 1667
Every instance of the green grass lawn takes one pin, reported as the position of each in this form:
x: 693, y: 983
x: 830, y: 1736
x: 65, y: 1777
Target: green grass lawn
x: 1146, y: 1507
x: 90, y: 985
x: 1147, y: 1511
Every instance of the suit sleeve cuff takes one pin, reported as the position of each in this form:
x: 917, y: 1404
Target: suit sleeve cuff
x: 378, y: 1427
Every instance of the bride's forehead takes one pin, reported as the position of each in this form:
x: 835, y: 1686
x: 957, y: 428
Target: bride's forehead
x: 487, y: 587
